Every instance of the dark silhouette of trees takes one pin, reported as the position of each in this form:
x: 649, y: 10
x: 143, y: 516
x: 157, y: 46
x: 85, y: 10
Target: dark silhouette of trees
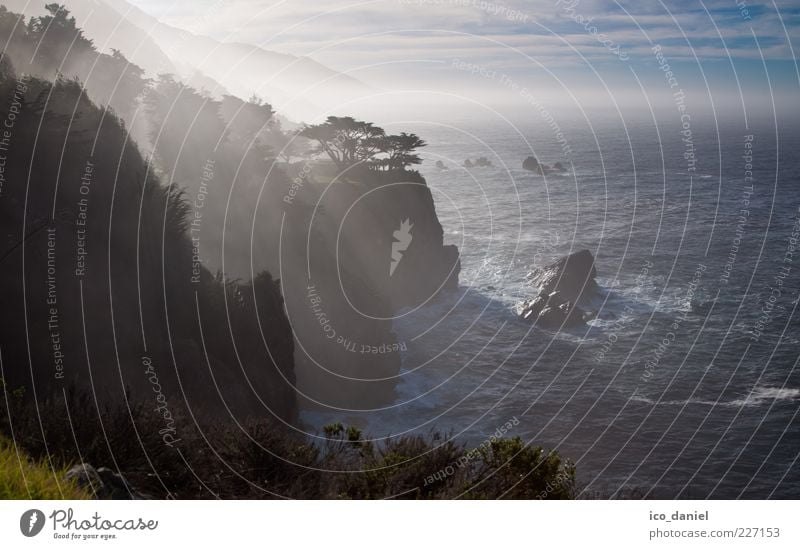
x: 345, y: 140
x: 250, y: 121
x: 349, y: 142
x: 400, y: 151
x: 74, y: 180
x: 53, y: 46
x: 54, y: 30
x: 185, y: 128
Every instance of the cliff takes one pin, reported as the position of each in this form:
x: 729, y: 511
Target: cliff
x: 98, y: 286
x: 340, y: 238
x: 346, y: 253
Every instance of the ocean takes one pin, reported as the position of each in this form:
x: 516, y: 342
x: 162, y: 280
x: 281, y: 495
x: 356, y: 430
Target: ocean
x: 686, y: 385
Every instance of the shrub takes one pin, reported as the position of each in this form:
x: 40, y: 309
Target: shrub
x: 264, y: 459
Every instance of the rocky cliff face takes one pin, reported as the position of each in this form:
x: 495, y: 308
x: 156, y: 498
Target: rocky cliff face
x: 396, y: 240
x: 362, y: 250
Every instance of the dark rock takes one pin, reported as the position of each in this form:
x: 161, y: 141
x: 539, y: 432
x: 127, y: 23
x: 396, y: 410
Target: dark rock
x: 565, y: 315
x: 561, y: 285
x: 103, y: 482
x: 573, y: 315
x: 531, y: 164
x: 551, y: 317
x: 440, y: 165
x: 572, y: 276
x: 85, y: 476
x: 468, y: 163
x: 530, y: 309
x: 359, y: 286
x: 551, y: 311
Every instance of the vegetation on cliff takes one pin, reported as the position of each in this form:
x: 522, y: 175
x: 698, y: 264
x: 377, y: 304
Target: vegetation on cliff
x: 98, y: 257
x: 349, y: 143
x: 263, y: 459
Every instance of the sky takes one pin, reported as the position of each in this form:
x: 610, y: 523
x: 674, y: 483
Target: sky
x: 564, y: 46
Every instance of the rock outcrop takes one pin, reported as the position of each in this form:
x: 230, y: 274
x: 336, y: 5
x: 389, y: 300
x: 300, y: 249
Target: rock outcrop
x: 533, y: 165
x: 561, y: 286
x: 377, y: 247
x: 103, y: 482
x: 553, y: 311
x: 571, y: 276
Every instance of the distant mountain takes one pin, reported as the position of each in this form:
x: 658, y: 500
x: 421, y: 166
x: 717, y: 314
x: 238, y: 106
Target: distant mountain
x: 299, y: 87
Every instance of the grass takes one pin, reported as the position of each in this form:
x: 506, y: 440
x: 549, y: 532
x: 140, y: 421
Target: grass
x: 23, y: 478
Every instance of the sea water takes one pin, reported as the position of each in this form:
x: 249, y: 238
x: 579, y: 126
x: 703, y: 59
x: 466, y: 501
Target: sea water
x: 686, y: 385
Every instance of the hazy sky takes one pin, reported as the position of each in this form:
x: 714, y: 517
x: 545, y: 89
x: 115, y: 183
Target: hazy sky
x: 583, y: 43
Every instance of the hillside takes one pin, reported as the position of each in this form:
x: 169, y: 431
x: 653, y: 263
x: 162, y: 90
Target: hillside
x: 294, y: 84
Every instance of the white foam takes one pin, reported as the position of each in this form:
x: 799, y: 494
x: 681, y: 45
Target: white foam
x: 758, y: 396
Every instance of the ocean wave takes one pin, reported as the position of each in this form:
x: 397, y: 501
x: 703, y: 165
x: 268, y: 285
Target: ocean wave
x: 757, y: 397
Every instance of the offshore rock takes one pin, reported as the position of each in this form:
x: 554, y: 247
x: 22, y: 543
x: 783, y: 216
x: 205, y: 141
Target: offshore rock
x: 561, y: 286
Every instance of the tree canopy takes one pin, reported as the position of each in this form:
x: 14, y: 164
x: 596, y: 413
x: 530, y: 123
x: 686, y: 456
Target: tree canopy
x: 349, y: 142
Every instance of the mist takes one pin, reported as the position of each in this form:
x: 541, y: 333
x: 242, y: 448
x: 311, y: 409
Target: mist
x: 229, y: 237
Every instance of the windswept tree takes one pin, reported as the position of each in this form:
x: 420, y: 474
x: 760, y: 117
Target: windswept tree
x: 345, y: 140
x: 400, y: 151
x: 349, y: 142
